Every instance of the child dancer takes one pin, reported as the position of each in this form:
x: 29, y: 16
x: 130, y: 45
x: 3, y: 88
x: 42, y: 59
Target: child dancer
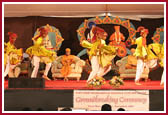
x: 140, y: 52
x: 12, y: 55
x: 99, y: 53
x: 37, y: 52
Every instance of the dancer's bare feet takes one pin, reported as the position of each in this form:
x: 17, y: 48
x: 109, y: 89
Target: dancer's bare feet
x: 161, y: 84
x: 55, y: 79
x: 146, y: 80
x: 89, y: 80
x: 137, y: 83
x: 65, y: 79
x: 46, y: 78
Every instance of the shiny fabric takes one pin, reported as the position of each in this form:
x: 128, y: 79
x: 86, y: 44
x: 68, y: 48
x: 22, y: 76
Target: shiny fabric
x: 13, y: 53
x: 39, y: 50
x: 141, y: 50
x: 156, y: 47
x: 105, y: 54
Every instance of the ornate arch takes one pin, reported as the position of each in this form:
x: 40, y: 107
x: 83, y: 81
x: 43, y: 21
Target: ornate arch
x: 159, y: 34
x: 54, y: 36
x: 107, y: 20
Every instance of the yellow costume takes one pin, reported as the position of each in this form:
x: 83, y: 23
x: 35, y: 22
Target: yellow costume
x: 13, y: 53
x: 161, y: 56
x: 105, y: 54
x: 141, y: 50
x: 156, y: 47
x: 5, y: 59
x: 39, y: 50
x: 100, y: 54
x: 66, y: 62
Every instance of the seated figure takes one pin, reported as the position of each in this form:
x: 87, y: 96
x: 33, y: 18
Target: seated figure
x: 117, y: 37
x: 62, y: 68
x: 127, y: 67
x: 117, y: 40
x: 132, y: 60
x: 66, y: 61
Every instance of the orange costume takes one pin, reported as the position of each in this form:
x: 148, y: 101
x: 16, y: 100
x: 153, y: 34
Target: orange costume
x: 66, y: 61
x: 117, y: 37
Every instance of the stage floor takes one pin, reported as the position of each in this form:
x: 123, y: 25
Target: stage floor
x: 73, y: 84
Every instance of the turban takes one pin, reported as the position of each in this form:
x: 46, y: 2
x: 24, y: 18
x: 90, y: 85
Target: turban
x: 67, y: 49
x: 117, y: 27
x: 90, y: 24
x: 142, y: 30
x: 97, y: 31
x: 12, y: 35
x: 43, y: 30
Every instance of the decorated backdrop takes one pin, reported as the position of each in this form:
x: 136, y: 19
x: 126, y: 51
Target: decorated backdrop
x: 74, y: 29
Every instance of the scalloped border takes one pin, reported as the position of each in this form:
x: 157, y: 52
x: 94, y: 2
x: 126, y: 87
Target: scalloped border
x: 107, y: 20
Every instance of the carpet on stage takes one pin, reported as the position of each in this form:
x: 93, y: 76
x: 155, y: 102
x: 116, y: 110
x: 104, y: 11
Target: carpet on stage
x: 73, y: 84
